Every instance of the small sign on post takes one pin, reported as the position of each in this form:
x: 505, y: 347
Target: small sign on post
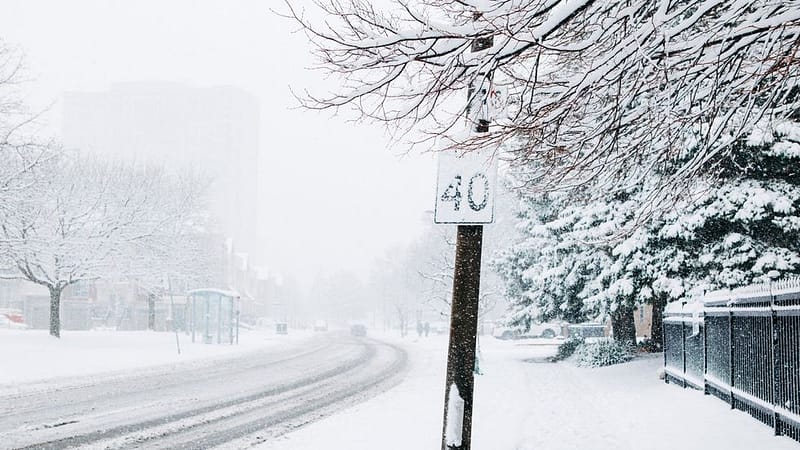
x: 465, y: 188
x: 465, y: 196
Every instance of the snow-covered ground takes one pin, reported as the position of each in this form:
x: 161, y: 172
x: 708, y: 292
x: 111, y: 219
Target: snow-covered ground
x: 32, y: 355
x: 523, y: 403
x: 222, y: 397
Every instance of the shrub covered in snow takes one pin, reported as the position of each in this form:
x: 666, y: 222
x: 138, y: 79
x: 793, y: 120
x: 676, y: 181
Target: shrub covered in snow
x: 567, y: 348
x: 600, y: 353
x: 649, y: 346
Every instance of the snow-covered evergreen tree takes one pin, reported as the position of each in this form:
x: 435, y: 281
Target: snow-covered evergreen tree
x: 562, y: 268
x: 746, y: 227
x: 739, y: 227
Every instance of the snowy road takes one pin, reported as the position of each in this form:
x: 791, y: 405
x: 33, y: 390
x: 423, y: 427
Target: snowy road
x: 232, y: 403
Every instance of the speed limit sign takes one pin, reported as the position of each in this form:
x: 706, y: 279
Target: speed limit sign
x: 465, y: 188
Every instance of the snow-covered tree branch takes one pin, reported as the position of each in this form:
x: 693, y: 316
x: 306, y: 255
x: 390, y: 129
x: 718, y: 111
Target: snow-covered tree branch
x: 590, y: 91
x: 20, y: 149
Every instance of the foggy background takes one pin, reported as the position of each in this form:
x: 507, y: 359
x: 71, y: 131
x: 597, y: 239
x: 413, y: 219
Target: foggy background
x: 330, y: 194
x: 322, y: 212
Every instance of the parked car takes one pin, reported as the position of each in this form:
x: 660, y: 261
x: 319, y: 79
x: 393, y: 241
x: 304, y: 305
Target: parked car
x: 547, y: 330
x: 588, y: 330
x: 320, y: 325
x: 358, y: 329
x: 12, y: 319
x: 505, y: 333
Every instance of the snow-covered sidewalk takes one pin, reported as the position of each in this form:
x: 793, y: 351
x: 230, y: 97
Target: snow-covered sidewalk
x: 522, y: 404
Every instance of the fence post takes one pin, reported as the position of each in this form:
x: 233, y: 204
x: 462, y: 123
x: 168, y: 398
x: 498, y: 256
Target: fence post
x: 705, y: 354
x: 683, y: 346
x: 731, y: 365
x: 664, y: 336
x: 777, y: 394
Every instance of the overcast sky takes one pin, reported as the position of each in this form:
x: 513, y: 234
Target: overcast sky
x: 333, y: 195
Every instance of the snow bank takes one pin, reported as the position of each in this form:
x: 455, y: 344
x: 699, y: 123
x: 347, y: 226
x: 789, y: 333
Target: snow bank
x: 524, y: 405
x: 33, y: 355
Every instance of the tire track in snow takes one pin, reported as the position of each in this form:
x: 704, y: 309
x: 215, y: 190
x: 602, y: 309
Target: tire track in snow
x: 348, y: 370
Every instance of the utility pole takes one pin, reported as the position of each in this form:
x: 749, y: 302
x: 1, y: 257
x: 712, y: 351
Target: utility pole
x: 459, y: 385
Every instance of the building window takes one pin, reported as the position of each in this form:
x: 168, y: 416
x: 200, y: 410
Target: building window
x: 80, y: 289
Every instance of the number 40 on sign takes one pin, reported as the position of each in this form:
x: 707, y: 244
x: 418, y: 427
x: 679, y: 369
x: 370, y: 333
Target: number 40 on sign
x: 465, y: 188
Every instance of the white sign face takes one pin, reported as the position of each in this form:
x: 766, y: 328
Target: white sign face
x: 465, y: 188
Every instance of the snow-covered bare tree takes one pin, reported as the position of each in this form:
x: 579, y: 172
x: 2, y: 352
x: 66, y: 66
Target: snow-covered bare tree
x: 185, y: 252
x: 82, y: 218
x: 20, y: 148
x: 180, y: 248
x: 395, y: 284
x: 599, y: 91
x: 433, y: 257
x: 433, y: 254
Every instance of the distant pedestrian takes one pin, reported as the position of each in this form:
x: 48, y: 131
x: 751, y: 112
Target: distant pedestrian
x: 419, y: 329
x: 427, y: 328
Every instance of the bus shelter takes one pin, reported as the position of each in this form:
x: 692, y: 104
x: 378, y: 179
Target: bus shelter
x: 214, y: 315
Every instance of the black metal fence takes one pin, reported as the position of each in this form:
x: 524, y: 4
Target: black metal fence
x: 742, y: 346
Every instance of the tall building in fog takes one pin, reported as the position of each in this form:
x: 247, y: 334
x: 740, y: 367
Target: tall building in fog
x: 213, y: 129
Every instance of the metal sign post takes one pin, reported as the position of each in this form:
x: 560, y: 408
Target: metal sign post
x: 465, y: 196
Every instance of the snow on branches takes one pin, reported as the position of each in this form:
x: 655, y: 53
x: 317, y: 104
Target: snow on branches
x: 598, y: 90
x: 20, y: 149
x: 84, y: 218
